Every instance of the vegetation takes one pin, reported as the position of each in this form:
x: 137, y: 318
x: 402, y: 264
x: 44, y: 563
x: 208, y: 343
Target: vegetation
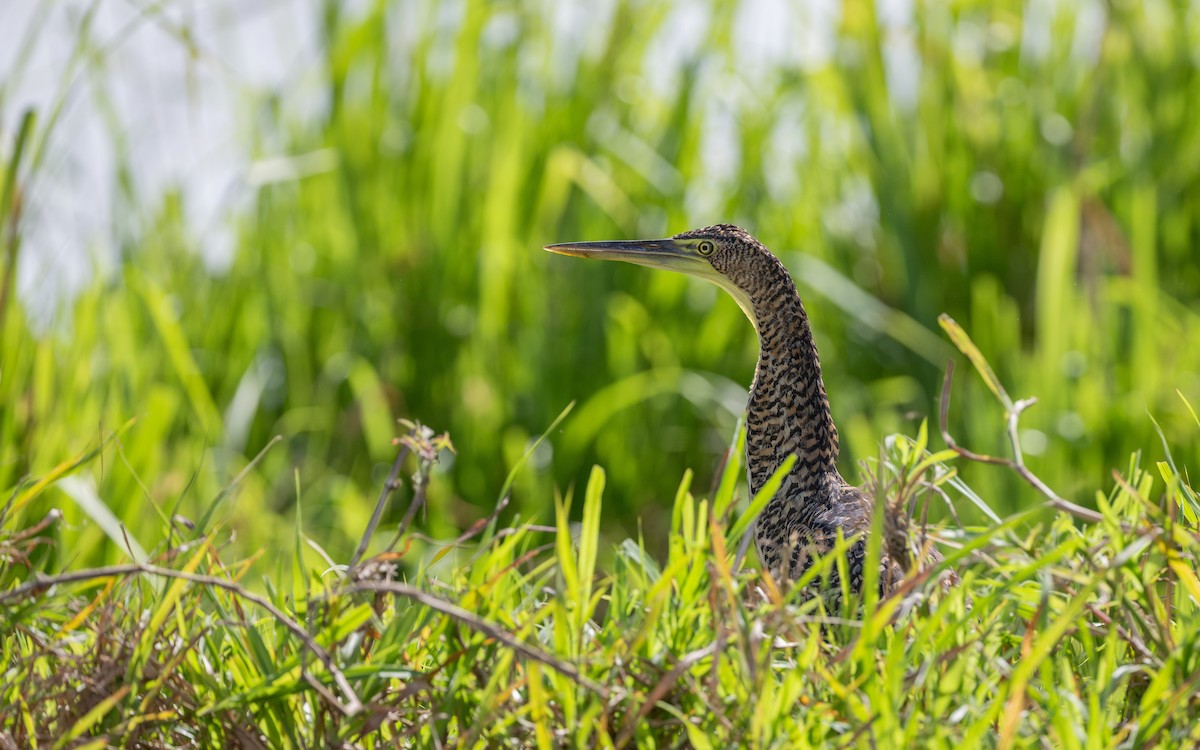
x: 1068, y: 636
x: 218, y: 439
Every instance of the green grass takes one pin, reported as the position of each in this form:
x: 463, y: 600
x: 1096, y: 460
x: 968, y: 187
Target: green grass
x: 1076, y: 636
x: 402, y: 278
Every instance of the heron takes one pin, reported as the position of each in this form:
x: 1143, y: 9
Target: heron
x: 787, y: 412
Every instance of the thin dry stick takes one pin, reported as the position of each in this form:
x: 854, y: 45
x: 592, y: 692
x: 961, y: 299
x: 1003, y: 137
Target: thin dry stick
x: 50, y: 518
x: 389, y: 486
x: 1128, y: 636
x: 481, y: 524
x: 466, y: 535
x: 351, y: 707
x: 744, y: 545
x: 478, y: 624
x: 1017, y: 463
x: 660, y: 690
x: 418, y: 502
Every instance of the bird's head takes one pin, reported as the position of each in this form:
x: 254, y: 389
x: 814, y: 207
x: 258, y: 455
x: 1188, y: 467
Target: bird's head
x: 724, y: 254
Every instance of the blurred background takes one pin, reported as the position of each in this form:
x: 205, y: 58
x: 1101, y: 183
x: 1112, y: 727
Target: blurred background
x: 236, y: 220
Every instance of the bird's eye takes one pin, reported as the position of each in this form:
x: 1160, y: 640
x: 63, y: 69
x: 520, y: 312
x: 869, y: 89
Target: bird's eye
x: 706, y: 248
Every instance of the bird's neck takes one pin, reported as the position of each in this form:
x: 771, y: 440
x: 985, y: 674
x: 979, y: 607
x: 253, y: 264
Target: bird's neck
x: 788, y: 411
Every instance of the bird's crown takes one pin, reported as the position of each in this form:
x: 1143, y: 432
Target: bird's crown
x: 719, y: 232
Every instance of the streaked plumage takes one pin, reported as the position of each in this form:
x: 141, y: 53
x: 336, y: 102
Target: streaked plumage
x: 788, y: 410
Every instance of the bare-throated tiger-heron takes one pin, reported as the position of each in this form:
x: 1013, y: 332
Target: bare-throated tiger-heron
x: 788, y: 411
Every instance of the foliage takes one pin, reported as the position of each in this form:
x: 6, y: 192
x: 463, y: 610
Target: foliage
x: 1077, y: 636
x: 1039, y: 192
x: 216, y: 438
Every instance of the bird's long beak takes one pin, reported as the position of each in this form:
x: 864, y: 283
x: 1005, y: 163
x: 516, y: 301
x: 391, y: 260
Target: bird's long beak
x: 669, y: 254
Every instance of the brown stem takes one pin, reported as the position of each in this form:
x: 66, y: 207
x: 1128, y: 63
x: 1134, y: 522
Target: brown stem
x: 389, y: 486
x: 1017, y: 465
x: 351, y: 707
x: 478, y: 624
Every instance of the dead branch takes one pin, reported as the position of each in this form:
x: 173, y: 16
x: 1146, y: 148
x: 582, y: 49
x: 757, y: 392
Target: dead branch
x: 350, y: 707
x: 1017, y: 463
x: 478, y: 624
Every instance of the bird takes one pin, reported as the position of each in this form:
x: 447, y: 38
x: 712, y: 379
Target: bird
x: 787, y: 413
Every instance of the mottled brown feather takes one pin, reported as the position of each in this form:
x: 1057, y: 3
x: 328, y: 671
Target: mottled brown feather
x: 788, y: 413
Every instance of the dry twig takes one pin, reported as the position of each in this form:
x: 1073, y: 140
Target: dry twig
x: 1017, y: 463
x: 478, y: 624
x: 350, y: 707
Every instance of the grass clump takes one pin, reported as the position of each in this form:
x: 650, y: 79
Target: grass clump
x: 1061, y: 634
